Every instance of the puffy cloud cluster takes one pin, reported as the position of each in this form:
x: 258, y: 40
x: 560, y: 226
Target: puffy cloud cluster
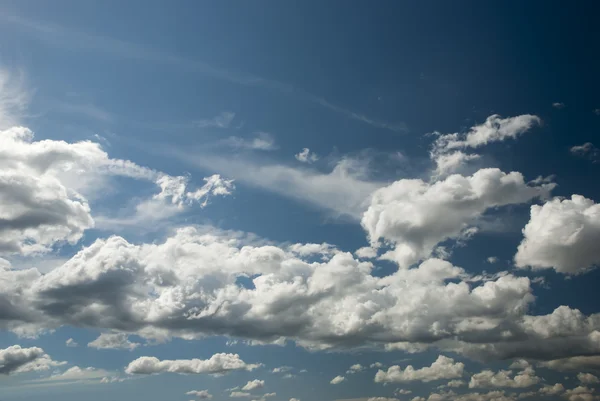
x: 587, y: 378
x: 306, y: 156
x: 447, y: 150
x: 15, y: 359
x: 45, y: 186
x: 415, y: 216
x: 488, y: 378
x: 562, y: 234
x: 357, y: 367
x: 216, y: 364
x: 188, y: 287
x: 113, y: 341
x: 337, y: 380
x: 442, y: 368
x: 587, y: 151
x: 200, y: 394
x: 581, y: 393
x: 253, y: 385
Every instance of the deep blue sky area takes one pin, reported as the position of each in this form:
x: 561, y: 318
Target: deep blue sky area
x: 303, y: 201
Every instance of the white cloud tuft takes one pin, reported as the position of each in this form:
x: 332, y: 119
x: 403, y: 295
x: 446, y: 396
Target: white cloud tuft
x: 337, y: 380
x: 562, y: 234
x: 306, y: 156
x: 113, y: 341
x: 218, y: 363
x: 442, y: 368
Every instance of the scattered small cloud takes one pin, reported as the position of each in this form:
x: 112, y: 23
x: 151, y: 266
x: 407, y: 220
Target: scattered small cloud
x: 200, y: 394
x: 587, y: 151
x: 71, y: 343
x: 492, y: 260
x: 558, y: 105
x: 337, y: 380
x: 306, y: 156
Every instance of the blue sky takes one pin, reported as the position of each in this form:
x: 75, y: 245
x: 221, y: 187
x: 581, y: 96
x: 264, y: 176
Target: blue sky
x: 299, y: 201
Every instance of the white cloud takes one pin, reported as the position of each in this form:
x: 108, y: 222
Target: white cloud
x: 558, y: 105
x: 337, y: 380
x: 218, y: 363
x: 71, y: 343
x: 562, y: 234
x: 442, y: 368
x: 76, y: 373
x: 15, y: 359
x: 402, y: 391
x: 416, y: 216
x: 587, y: 378
x: 200, y: 394
x: 555, y: 389
x: 492, y: 259
x: 223, y: 120
x: 366, y: 252
x: 345, y: 191
x: 239, y: 394
x: 281, y: 369
x: 253, y: 385
x: 376, y: 365
x: 261, y: 141
x: 113, y: 341
x: 306, y: 156
x: 456, y: 383
x: 581, y: 393
x: 382, y: 399
x: 446, y: 150
x: 357, y: 367
x: 502, y: 378
x: 587, y: 151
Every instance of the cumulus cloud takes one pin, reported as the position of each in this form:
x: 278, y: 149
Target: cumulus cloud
x: 16, y: 359
x: 216, y: 364
x: 587, y: 378
x: 456, y: 383
x: 558, y: 105
x: 574, y: 363
x: 416, y: 216
x: 239, y: 394
x: 586, y: 151
x: 357, y: 367
x: 253, y: 385
x: 200, y: 394
x: 442, y: 368
x: 337, y: 380
x: 306, y: 156
x: 71, y: 343
x: 488, y: 378
x: 113, y: 341
x: 45, y: 186
x: 447, y: 150
x: 562, y: 234
x: 581, y: 393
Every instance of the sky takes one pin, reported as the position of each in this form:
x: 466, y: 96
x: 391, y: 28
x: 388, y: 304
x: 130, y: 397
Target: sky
x: 299, y: 201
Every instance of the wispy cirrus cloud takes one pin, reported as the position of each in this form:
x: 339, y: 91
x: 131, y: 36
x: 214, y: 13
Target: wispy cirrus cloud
x: 59, y: 36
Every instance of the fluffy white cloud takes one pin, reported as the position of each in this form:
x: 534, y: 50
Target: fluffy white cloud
x: 306, y: 156
x: 15, y: 359
x: 447, y: 151
x: 442, y: 368
x: 113, y: 341
x: 337, y: 380
x: 587, y: 378
x: 200, y: 394
x: 71, y: 343
x: 416, y: 216
x: 488, y: 378
x: 218, y: 363
x: 562, y: 234
x: 357, y: 367
x: 581, y: 393
x: 253, y: 385
x: 45, y: 186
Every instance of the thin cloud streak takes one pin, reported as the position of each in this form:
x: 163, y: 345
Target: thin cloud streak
x: 62, y: 37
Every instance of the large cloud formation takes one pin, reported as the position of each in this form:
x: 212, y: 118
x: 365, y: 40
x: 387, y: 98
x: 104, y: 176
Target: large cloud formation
x: 188, y: 286
x: 16, y: 359
x: 415, y: 216
x: 562, y: 234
